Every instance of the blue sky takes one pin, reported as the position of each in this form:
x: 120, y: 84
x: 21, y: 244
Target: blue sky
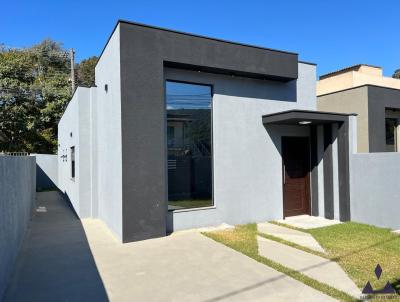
x: 333, y: 34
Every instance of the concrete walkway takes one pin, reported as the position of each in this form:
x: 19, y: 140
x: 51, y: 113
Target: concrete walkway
x: 298, y: 237
x: 55, y: 262
x: 315, y: 267
x: 308, y: 222
x: 64, y: 259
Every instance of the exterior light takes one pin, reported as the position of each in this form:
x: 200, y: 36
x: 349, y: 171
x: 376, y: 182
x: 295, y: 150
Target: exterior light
x: 304, y: 122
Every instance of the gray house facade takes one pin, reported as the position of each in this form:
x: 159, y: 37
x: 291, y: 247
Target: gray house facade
x: 363, y: 89
x: 184, y: 131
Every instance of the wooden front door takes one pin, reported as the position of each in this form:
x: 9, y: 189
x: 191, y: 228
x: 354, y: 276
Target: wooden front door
x: 296, y: 175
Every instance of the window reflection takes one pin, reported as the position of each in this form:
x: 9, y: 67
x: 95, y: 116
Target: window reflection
x: 189, y: 145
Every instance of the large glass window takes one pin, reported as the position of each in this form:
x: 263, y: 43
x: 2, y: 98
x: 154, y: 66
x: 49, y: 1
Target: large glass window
x: 189, y: 143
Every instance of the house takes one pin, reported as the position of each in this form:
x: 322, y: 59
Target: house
x: 184, y: 131
x: 362, y: 89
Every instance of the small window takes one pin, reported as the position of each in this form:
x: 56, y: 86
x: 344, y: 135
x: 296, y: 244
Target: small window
x: 391, y: 134
x: 73, y: 162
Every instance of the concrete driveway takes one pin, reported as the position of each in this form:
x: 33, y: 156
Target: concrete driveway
x: 95, y: 267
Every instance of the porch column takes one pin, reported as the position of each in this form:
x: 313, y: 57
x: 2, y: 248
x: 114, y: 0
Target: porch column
x: 314, y: 170
x: 328, y: 172
x: 344, y: 170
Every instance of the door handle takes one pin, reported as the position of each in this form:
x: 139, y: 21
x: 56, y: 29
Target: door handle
x: 284, y: 175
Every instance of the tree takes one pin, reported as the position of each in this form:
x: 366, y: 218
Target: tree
x: 396, y: 74
x: 86, y: 72
x: 34, y: 92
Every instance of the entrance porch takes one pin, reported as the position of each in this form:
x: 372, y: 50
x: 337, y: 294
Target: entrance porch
x: 315, y: 169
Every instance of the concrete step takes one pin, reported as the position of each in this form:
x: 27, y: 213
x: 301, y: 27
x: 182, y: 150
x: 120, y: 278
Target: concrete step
x: 308, y: 222
x: 315, y: 267
x: 294, y: 236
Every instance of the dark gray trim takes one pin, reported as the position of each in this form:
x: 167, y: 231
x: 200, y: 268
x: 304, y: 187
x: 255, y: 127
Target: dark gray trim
x: 191, y: 35
x: 293, y: 117
x: 380, y: 99
x: 144, y: 51
x: 201, y: 36
x: 344, y: 171
x: 308, y: 63
x: 314, y: 170
x: 328, y: 172
x: 214, y: 70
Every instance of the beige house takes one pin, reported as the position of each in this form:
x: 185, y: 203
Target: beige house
x: 363, y: 89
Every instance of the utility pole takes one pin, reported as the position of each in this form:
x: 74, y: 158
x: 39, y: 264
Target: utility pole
x: 72, y: 58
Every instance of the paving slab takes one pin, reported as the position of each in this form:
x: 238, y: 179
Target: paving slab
x: 298, y: 237
x: 187, y: 267
x: 308, y: 222
x: 67, y: 259
x: 315, y: 267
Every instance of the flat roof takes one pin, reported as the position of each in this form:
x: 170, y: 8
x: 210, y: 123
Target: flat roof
x: 201, y: 36
x: 349, y: 68
x: 193, y: 35
x: 309, y: 117
x: 357, y: 87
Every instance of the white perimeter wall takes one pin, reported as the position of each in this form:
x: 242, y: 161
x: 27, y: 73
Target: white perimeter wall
x: 375, y: 194
x: 247, y: 160
x: 374, y: 185
x: 17, y: 200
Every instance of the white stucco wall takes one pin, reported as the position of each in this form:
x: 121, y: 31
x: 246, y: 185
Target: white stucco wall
x: 93, y: 116
x: 74, y: 131
x: 108, y: 149
x: 46, y: 171
x: 69, y: 124
x: 247, y: 160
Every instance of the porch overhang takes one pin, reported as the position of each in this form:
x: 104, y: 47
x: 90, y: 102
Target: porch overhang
x: 304, y: 117
x: 325, y: 128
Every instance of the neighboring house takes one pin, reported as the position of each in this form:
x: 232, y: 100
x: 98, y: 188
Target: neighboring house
x: 363, y: 90
x: 184, y: 131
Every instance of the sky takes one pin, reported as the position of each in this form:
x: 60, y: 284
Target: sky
x: 333, y: 34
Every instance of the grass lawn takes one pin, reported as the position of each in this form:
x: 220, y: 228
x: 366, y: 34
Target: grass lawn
x: 191, y: 203
x: 243, y: 239
x: 358, y: 248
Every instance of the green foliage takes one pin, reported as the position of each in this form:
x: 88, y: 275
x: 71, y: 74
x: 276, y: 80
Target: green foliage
x: 396, y: 74
x: 34, y: 91
x: 85, y: 72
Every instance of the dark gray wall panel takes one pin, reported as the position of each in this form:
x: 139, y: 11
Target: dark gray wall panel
x: 379, y: 98
x: 328, y: 172
x: 344, y: 171
x: 314, y: 170
x: 144, y: 51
